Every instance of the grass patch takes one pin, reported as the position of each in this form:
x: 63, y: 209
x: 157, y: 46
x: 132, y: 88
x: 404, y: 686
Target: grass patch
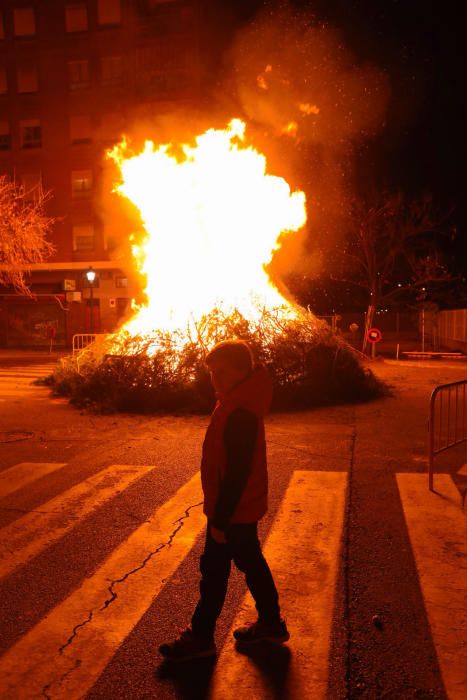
x: 164, y: 372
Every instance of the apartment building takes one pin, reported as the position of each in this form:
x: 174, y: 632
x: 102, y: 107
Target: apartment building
x: 74, y: 74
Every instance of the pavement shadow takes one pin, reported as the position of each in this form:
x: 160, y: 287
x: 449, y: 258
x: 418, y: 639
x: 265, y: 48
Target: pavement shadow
x: 191, y: 679
x: 273, y: 663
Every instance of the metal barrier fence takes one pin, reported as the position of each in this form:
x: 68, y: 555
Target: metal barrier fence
x: 447, y: 422
x: 82, y: 340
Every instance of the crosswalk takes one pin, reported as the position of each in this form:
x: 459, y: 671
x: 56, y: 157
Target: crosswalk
x: 16, y: 381
x: 305, y: 562
x: 438, y: 534
x: 65, y: 653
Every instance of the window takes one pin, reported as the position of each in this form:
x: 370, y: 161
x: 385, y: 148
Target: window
x: 32, y: 186
x: 111, y: 70
x: 108, y: 11
x: 83, y: 237
x: 26, y: 77
x: 121, y: 282
x: 5, y: 138
x: 81, y: 183
x: 24, y: 21
x: 3, y: 81
x: 80, y: 129
x: 78, y: 74
x: 31, y: 133
x: 76, y: 17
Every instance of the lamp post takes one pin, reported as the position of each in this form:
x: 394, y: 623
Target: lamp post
x: 91, y: 277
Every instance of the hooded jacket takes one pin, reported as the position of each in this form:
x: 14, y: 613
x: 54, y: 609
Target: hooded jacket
x: 234, y: 467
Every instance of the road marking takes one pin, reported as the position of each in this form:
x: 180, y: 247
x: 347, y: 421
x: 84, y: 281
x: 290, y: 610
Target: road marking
x: 20, y: 475
x: 438, y: 534
x: 303, y: 552
x: 62, y: 657
x: 25, y: 537
x: 26, y: 373
x: 18, y: 381
x: 23, y: 392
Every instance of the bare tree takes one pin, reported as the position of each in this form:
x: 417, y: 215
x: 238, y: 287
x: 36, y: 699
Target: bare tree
x: 387, y: 239
x: 24, y: 226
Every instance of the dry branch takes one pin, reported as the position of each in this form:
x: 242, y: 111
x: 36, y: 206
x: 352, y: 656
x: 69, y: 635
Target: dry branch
x: 24, y: 226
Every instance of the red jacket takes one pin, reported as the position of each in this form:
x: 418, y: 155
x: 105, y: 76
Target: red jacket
x: 253, y: 394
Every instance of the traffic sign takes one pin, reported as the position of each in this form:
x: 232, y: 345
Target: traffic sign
x: 374, y: 335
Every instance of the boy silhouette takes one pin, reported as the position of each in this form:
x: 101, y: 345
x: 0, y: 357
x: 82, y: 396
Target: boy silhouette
x: 235, y: 486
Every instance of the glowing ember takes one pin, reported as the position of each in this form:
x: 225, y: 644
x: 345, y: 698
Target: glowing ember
x: 213, y: 218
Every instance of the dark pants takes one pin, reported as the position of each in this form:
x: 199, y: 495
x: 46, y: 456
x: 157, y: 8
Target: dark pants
x: 244, y: 548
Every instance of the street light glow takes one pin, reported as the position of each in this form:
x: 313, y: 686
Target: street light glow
x: 90, y: 275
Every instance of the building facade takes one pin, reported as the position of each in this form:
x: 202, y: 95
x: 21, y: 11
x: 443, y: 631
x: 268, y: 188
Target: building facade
x: 74, y: 75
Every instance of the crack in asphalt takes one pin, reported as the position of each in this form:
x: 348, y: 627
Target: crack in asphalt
x: 113, y: 595
x: 115, y: 582
x: 75, y: 632
x: 45, y: 689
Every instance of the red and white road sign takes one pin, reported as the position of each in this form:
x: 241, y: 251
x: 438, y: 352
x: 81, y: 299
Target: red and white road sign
x: 374, y: 335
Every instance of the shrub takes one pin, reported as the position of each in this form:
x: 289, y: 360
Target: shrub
x: 309, y: 366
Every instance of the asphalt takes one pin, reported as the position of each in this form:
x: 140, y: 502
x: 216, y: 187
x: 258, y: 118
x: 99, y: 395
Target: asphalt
x: 382, y: 641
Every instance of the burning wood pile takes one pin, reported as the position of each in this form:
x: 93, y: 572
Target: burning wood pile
x: 213, y: 218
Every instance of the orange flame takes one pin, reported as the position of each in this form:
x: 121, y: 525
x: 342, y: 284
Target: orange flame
x: 308, y: 109
x: 213, y: 217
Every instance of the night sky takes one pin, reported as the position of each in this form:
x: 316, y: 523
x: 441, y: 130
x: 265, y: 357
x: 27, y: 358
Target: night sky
x: 421, y: 48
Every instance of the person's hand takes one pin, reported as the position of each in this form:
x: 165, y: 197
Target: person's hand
x: 218, y: 535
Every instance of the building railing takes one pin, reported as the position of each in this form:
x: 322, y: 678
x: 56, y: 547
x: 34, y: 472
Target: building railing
x: 447, y: 421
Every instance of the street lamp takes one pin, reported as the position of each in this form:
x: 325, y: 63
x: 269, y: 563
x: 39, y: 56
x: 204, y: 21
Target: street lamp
x: 91, y: 278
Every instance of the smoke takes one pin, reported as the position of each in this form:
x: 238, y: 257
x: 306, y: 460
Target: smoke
x: 297, y: 77
x: 298, y: 82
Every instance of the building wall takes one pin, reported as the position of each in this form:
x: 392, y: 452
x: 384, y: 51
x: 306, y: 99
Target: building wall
x: 452, y: 329
x: 74, y: 75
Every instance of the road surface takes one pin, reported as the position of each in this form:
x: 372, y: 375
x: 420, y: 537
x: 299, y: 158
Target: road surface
x: 101, y: 530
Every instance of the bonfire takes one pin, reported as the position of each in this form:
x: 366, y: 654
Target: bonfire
x: 213, y: 218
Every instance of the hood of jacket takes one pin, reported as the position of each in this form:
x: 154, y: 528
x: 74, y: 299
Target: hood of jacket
x: 253, y: 393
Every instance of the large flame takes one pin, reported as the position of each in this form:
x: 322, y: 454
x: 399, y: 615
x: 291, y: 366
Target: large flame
x: 213, y: 218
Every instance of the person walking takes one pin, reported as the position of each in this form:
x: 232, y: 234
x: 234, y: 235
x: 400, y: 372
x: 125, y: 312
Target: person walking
x: 235, y: 485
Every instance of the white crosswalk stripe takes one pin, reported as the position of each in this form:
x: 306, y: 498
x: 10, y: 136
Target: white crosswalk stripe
x: 106, y: 607
x: 438, y: 533
x: 17, y: 381
x: 303, y: 551
x: 25, y: 537
x: 64, y: 654
x: 21, y: 475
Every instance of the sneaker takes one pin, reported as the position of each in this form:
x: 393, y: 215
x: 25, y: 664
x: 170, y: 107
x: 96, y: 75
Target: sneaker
x: 188, y: 646
x: 262, y: 632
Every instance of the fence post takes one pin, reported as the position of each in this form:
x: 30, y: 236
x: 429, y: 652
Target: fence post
x: 460, y: 435
x: 431, y: 440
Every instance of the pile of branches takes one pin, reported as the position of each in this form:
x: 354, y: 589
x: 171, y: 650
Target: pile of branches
x: 308, y: 364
